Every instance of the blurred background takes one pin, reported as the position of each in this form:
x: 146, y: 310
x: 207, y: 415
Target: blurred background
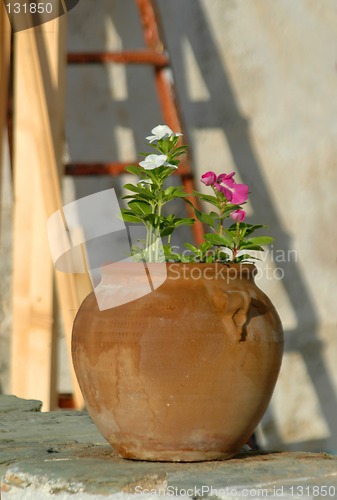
x: 255, y: 83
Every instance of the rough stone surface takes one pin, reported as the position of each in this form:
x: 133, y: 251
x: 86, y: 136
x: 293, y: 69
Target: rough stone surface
x: 62, y: 455
x: 13, y: 404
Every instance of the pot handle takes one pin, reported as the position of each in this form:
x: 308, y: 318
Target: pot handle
x: 235, y: 305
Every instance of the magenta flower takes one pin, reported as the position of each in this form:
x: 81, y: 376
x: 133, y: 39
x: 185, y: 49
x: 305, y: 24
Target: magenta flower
x: 240, y: 194
x: 224, y: 190
x: 209, y: 178
x: 238, y: 215
x: 235, y: 193
x: 225, y: 184
x: 226, y: 179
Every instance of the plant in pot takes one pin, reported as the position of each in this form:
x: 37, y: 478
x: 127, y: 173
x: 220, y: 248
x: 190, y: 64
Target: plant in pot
x: 184, y: 373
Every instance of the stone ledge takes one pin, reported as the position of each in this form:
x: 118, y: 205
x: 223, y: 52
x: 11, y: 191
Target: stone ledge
x: 62, y: 455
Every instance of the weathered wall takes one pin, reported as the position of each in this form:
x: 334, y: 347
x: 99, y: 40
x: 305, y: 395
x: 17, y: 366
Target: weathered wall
x: 257, y: 85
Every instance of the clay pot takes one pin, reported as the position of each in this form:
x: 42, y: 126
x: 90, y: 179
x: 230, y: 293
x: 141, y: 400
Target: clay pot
x: 184, y: 373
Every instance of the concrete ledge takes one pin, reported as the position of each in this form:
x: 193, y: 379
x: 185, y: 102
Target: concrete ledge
x: 61, y: 455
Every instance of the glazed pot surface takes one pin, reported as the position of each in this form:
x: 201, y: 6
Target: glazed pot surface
x: 184, y: 373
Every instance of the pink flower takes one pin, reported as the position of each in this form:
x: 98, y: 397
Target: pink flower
x: 238, y: 215
x: 224, y: 190
x: 235, y: 193
x: 226, y: 179
x: 240, y: 194
x: 209, y: 178
x: 225, y: 184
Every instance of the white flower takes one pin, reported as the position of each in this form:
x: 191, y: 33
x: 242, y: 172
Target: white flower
x: 155, y: 161
x: 161, y: 132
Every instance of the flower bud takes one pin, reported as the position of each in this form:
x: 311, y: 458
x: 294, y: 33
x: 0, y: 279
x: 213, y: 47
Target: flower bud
x: 238, y: 215
x: 209, y: 178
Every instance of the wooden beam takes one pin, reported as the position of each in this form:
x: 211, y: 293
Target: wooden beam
x: 32, y: 367
x: 32, y: 337
x: 37, y: 160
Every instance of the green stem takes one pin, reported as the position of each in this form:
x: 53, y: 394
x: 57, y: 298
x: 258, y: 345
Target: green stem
x: 238, y: 233
x: 235, y: 251
x: 218, y: 254
x: 237, y: 244
x: 147, y: 238
x: 149, y: 244
x: 159, y: 207
x: 221, y: 208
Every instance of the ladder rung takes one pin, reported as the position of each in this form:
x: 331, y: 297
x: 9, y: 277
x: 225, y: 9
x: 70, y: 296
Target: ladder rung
x: 116, y: 168
x: 123, y: 57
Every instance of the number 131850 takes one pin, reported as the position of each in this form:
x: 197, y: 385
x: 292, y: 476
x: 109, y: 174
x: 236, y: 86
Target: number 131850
x: 31, y: 8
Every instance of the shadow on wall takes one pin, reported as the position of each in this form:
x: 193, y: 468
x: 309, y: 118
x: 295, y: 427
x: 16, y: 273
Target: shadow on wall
x: 221, y: 111
x: 110, y: 107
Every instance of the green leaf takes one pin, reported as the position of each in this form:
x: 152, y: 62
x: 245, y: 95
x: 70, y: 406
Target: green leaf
x: 218, y: 239
x: 206, y: 245
x: 184, y: 222
x: 169, y: 194
x: 140, y: 207
x: 178, y: 152
x: 174, y: 192
x: 260, y: 240
x: 250, y: 228
x: 191, y: 247
x: 249, y: 246
x: 210, y: 199
x: 153, y: 219
x: 129, y: 217
x: 167, y: 231
x: 133, y: 188
x: 245, y: 258
x: 229, y: 210
x: 231, y: 232
x: 138, y: 197
x: 171, y: 223
x: 139, y: 190
x: 133, y: 169
x: 224, y: 256
x: 204, y: 218
x: 170, y: 190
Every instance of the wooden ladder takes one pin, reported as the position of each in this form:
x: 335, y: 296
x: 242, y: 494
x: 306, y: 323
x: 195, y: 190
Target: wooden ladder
x: 156, y: 56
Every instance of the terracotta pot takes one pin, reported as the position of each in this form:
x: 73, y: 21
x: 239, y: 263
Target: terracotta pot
x: 184, y: 373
